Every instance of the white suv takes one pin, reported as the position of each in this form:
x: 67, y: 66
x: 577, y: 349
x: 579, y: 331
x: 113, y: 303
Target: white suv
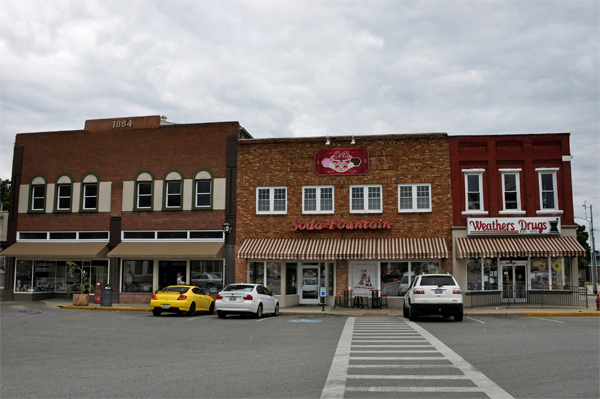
x: 433, y: 294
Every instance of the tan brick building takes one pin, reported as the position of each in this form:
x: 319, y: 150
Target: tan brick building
x: 343, y: 215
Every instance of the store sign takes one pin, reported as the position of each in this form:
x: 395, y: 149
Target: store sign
x: 513, y: 226
x: 342, y: 162
x: 333, y: 224
x: 364, y: 277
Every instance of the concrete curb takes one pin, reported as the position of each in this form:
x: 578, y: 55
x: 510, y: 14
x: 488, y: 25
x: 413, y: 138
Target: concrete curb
x: 103, y: 308
x: 538, y: 314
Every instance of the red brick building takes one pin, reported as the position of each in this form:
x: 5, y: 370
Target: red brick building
x: 136, y: 201
x: 342, y: 213
x: 513, y: 224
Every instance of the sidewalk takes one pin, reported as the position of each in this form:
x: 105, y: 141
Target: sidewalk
x: 313, y: 310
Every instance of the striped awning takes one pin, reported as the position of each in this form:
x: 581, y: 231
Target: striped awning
x: 516, y: 247
x: 354, y: 249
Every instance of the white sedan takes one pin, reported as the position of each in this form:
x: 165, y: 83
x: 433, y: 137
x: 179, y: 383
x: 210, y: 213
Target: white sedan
x: 246, y: 298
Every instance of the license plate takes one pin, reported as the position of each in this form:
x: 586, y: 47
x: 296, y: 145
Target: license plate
x: 232, y: 298
x: 438, y: 292
x: 165, y: 306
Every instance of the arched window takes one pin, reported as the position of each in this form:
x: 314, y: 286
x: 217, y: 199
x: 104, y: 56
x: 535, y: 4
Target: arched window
x: 90, y: 189
x: 173, y: 191
x: 37, y: 194
x: 144, y: 191
x: 63, y: 194
x: 203, y: 190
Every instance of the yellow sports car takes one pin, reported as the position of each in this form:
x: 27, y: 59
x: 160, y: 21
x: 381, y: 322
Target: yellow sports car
x: 182, y: 299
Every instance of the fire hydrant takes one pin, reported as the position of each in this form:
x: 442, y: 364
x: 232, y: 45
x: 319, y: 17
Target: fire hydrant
x: 598, y: 303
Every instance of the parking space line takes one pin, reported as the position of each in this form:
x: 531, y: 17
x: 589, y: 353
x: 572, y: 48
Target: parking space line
x: 555, y: 321
x: 479, y: 321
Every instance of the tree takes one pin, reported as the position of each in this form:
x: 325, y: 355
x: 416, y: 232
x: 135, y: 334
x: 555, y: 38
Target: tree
x: 4, y: 193
x: 583, y: 238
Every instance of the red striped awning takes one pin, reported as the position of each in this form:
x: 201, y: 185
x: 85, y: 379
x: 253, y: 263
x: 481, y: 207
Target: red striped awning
x: 517, y: 246
x: 354, y: 249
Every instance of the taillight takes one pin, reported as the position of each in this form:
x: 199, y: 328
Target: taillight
x: 182, y: 297
x: 457, y: 291
x: 218, y: 297
x: 417, y: 291
x: 154, y: 297
x: 248, y: 297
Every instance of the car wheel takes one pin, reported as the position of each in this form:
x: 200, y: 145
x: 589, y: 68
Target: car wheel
x: 405, y: 311
x: 221, y: 314
x: 459, y: 316
x: 211, y: 310
x: 276, y: 312
x: 259, y: 311
x: 412, y: 315
x: 156, y: 311
x: 192, y: 310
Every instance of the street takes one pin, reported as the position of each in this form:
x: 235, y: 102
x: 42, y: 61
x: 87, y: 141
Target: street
x: 51, y: 352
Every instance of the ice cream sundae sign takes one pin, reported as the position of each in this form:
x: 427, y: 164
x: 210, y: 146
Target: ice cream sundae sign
x: 342, y: 162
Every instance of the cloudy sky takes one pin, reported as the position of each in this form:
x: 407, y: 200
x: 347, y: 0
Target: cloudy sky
x: 309, y: 68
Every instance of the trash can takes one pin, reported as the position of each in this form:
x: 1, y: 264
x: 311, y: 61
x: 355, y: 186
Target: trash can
x: 106, y: 296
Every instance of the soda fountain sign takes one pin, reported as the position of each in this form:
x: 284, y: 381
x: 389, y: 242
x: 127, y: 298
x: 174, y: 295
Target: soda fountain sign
x: 342, y: 162
x: 336, y: 224
x: 513, y: 226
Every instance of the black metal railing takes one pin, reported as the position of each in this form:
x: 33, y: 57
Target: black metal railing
x: 523, y: 294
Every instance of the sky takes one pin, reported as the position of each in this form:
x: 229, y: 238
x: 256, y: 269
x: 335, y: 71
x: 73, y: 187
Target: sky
x: 310, y: 68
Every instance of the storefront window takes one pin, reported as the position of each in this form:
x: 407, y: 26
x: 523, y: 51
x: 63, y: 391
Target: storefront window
x: 330, y: 286
x: 43, y: 276
x: 257, y: 272
x: 567, y: 264
x: 207, y: 274
x: 474, y: 274
x: 60, y: 281
x: 23, y: 275
x: 394, y: 278
x: 274, y: 277
x: 557, y: 271
x: 291, y: 285
x: 490, y: 273
x: 539, y: 275
x: 137, y: 275
x: 98, y: 272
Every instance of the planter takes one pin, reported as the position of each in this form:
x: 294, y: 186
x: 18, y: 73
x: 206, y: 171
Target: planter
x: 81, y: 299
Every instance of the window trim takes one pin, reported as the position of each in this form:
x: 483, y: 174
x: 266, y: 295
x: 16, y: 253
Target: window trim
x: 366, y: 198
x: 553, y: 172
x: 481, y: 210
x: 82, y: 197
x: 271, y: 210
x: 414, y: 197
x: 517, y: 173
x: 195, y: 192
x: 136, y: 208
x: 57, y: 197
x: 318, y: 193
x: 30, y: 208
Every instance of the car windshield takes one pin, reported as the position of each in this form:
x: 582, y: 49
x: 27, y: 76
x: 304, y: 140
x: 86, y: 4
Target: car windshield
x: 239, y: 287
x: 437, y: 280
x: 309, y: 281
x: 181, y: 290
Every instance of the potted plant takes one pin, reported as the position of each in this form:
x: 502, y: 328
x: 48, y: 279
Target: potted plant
x: 80, y: 291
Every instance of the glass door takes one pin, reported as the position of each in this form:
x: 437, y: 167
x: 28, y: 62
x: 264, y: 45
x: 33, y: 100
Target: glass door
x: 514, y: 288
x: 309, y: 284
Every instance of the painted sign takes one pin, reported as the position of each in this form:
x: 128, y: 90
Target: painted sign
x: 333, y: 224
x: 342, y: 162
x: 513, y: 226
x: 364, y: 278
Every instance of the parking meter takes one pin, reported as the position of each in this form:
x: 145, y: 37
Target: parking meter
x: 323, y: 294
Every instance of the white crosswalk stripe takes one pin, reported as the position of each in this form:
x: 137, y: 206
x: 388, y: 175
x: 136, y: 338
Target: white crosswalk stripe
x: 386, y: 356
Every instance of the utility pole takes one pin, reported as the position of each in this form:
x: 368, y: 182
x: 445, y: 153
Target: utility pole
x: 593, y: 246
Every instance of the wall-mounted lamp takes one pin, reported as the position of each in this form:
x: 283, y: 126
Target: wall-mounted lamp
x: 327, y: 142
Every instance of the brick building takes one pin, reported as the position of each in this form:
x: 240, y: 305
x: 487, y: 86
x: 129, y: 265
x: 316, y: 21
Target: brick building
x: 513, y: 225
x: 343, y: 214
x: 136, y: 201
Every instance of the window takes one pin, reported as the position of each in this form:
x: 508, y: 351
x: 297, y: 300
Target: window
x: 207, y: 274
x: 137, y: 275
x: 548, y: 194
x: 89, y: 193
x: 64, y: 190
x: 365, y: 199
x: 271, y: 200
x: 203, y: 190
x: 144, y: 190
x: 317, y: 199
x: 396, y: 277
x: 414, y: 198
x: 38, y: 197
x: 271, y: 270
x: 474, y: 191
x: 511, y: 197
x: 173, y: 191
x: 482, y: 274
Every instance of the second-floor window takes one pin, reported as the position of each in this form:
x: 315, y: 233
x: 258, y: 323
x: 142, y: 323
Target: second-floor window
x: 365, y: 199
x: 511, y: 197
x: 203, y: 193
x: 144, y: 194
x: 474, y: 190
x: 271, y: 200
x: 90, y: 196
x: 414, y: 197
x: 173, y: 193
x: 548, y: 193
x: 38, y: 197
x: 63, y: 197
x: 317, y: 199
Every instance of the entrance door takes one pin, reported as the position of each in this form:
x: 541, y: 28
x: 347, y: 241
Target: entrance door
x: 309, y: 284
x: 514, y: 288
x: 168, y: 272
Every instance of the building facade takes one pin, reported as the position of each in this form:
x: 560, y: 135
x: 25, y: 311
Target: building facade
x: 138, y: 202
x: 344, y: 213
x: 513, y: 229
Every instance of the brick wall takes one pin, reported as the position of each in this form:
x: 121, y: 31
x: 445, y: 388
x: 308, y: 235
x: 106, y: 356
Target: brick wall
x: 134, y: 297
x: 394, y: 159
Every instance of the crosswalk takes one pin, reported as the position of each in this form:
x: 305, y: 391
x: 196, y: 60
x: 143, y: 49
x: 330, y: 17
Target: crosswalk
x: 393, y: 357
